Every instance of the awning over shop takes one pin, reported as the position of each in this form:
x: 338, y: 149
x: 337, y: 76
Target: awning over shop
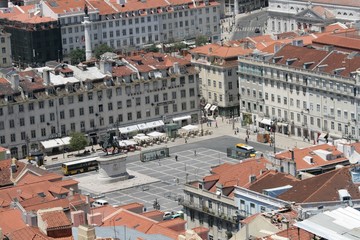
x: 141, y: 137
x: 142, y: 126
x: 213, y: 108
x: 128, y: 129
x: 181, y: 118
x: 155, y: 134
x: 155, y: 124
x: 207, y: 106
x: 190, y: 127
x: 266, y: 121
x: 57, y: 142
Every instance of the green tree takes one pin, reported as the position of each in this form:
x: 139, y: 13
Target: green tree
x: 201, y: 40
x: 152, y: 48
x: 78, y: 141
x: 77, y: 56
x: 178, y: 46
x: 101, y: 49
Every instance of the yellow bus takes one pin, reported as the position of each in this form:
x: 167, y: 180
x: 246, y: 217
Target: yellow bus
x: 79, y: 166
x: 248, y: 149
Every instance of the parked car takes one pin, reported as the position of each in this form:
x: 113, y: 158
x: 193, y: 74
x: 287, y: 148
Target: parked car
x: 257, y: 30
x: 167, y: 215
x: 100, y: 202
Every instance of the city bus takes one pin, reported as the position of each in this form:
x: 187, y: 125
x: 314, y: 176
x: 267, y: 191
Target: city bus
x: 79, y: 166
x: 249, y: 150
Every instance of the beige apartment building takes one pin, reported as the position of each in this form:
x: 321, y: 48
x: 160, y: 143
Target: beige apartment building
x: 5, y: 48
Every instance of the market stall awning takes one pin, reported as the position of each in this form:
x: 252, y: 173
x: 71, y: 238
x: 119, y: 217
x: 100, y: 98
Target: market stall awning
x: 190, y: 127
x: 155, y: 124
x: 127, y: 143
x: 128, y: 129
x: 266, y: 121
x: 142, y: 126
x: 207, y: 106
x: 53, y: 143
x: 66, y: 140
x: 181, y: 118
x: 141, y: 137
x: 213, y: 108
x: 155, y: 134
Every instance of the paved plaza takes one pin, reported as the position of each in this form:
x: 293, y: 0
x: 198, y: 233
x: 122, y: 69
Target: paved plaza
x: 171, y: 175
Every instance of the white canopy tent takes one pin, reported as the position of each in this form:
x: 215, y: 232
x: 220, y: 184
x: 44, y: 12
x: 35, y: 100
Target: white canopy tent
x: 213, y: 108
x: 266, y: 121
x: 141, y: 137
x: 128, y: 129
x: 190, y: 127
x: 125, y: 143
x: 155, y: 134
x: 142, y: 126
x: 207, y: 106
x: 55, y: 143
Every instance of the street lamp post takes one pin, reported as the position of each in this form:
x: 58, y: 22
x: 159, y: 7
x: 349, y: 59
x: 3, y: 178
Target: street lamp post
x: 274, y: 130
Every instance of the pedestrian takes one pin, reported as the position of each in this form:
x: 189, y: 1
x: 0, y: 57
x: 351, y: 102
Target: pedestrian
x: 216, y: 124
x: 159, y: 162
x: 246, y: 140
x: 195, y: 153
x: 235, y: 132
x: 186, y: 140
x: 176, y: 157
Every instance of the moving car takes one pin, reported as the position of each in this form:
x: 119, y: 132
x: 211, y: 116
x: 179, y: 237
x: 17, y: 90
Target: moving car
x: 257, y: 30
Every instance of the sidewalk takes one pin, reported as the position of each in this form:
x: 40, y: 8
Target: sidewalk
x: 225, y: 128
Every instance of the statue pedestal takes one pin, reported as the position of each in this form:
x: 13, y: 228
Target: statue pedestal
x: 112, y: 168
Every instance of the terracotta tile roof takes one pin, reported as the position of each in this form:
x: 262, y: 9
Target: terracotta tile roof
x: 172, y: 222
x: 131, y: 206
x: 249, y: 219
x: 348, y: 40
x: 54, y: 219
x: 271, y: 179
x: 302, y: 155
x: 76, y: 200
x: 28, y: 178
x: 291, y: 233
x: 335, y: 27
x: 234, y: 174
x: 30, y: 80
x: 301, y: 55
x: 158, y: 229
x: 5, y: 171
x: 5, y: 87
x: 323, y: 12
x: 37, y: 200
x: 11, y: 220
x: 52, y: 177
x: 61, y: 7
x: 28, y: 233
x: 54, y: 188
x: 323, y: 187
x: 152, y: 213
x: 220, y: 51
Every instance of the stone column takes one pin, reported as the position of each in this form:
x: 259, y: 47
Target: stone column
x: 88, y: 50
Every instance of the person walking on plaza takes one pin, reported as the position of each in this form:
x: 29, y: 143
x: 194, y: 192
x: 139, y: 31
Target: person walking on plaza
x: 195, y: 153
x: 176, y: 157
x: 216, y: 124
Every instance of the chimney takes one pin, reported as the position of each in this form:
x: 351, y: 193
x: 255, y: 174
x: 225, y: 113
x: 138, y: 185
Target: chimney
x: 71, y: 193
x: 15, y: 81
x: 46, y: 77
x: 176, y: 67
x: 86, y: 233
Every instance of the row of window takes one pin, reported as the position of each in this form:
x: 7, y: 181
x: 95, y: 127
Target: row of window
x: 92, y: 123
x: 138, y: 20
x: 303, y: 119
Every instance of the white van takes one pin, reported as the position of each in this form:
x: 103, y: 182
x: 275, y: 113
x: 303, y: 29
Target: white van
x: 100, y: 202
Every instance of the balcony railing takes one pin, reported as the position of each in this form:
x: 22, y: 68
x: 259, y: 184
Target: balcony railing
x: 218, y: 214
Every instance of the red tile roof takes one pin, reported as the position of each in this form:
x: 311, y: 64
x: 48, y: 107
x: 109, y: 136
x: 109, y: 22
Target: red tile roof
x: 271, y: 179
x: 5, y: 87
x: 348, y: 40
x: 221, y: 51
x: 229, y: 175
x: 11, y: 220
x: 323, y: 187
x: 301, y: 154
x: 54, y: 219
x: 5, y: 171
x: 291, y: 233
x: 28, y: 233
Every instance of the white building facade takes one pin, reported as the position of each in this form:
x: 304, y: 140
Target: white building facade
x: 46, y: 103
x: 129, y: 25
x: 302, y: 15
x: 300, y: 97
